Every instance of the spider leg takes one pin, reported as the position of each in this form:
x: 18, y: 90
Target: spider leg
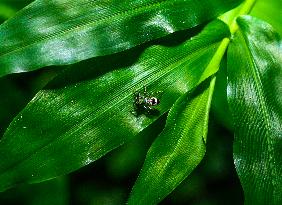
x: 147, y: 109
x: 145, y: 91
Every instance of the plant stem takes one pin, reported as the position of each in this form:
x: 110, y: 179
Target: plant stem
x: 230, y: 19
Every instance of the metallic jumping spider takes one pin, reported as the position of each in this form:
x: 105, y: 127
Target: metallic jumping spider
x: 144, y: 103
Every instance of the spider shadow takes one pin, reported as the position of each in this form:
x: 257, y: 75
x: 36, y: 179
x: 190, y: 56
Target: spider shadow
x: 140, y: 111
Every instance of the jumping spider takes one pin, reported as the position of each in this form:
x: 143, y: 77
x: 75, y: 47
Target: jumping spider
x: 144, y: 103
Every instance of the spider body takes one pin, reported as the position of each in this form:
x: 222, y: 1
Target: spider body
x: 144, y: 103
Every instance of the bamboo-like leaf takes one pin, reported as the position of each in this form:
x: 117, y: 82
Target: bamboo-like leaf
x: 85, y: 113
x: 178, y: 149
x: 254, y: 95
x: 59, y: 32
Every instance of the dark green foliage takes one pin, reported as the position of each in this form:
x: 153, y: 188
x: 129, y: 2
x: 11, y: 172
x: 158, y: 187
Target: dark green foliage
x: 59, y: 119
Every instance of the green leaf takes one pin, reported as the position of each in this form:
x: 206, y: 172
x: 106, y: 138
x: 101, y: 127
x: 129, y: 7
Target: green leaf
x: 269, y: 11
x: 60, y: 32
x: 178, y: 149
x: 86, y: 112
x: 254, y: 95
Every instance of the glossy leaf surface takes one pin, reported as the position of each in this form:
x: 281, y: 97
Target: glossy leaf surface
x: 84, y: 113
x: 254, y: 95
x: 60, y: 32
x: 178, y: 149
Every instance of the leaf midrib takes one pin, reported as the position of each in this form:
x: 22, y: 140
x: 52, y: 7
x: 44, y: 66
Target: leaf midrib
x: 193, y: 114
x: 172, y: 153
x: 258, y: 83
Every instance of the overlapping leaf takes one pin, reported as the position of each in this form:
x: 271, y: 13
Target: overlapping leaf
x: 84, y: 113
x: 62, y: 32
x: 178, y: 149
x: 254, y: 95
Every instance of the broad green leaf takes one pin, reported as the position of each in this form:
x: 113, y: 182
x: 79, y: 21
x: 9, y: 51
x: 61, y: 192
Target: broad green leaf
x: 86, y: 112
x: 60, y: 32
x: 178, y: 149
x: 254, y: 95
